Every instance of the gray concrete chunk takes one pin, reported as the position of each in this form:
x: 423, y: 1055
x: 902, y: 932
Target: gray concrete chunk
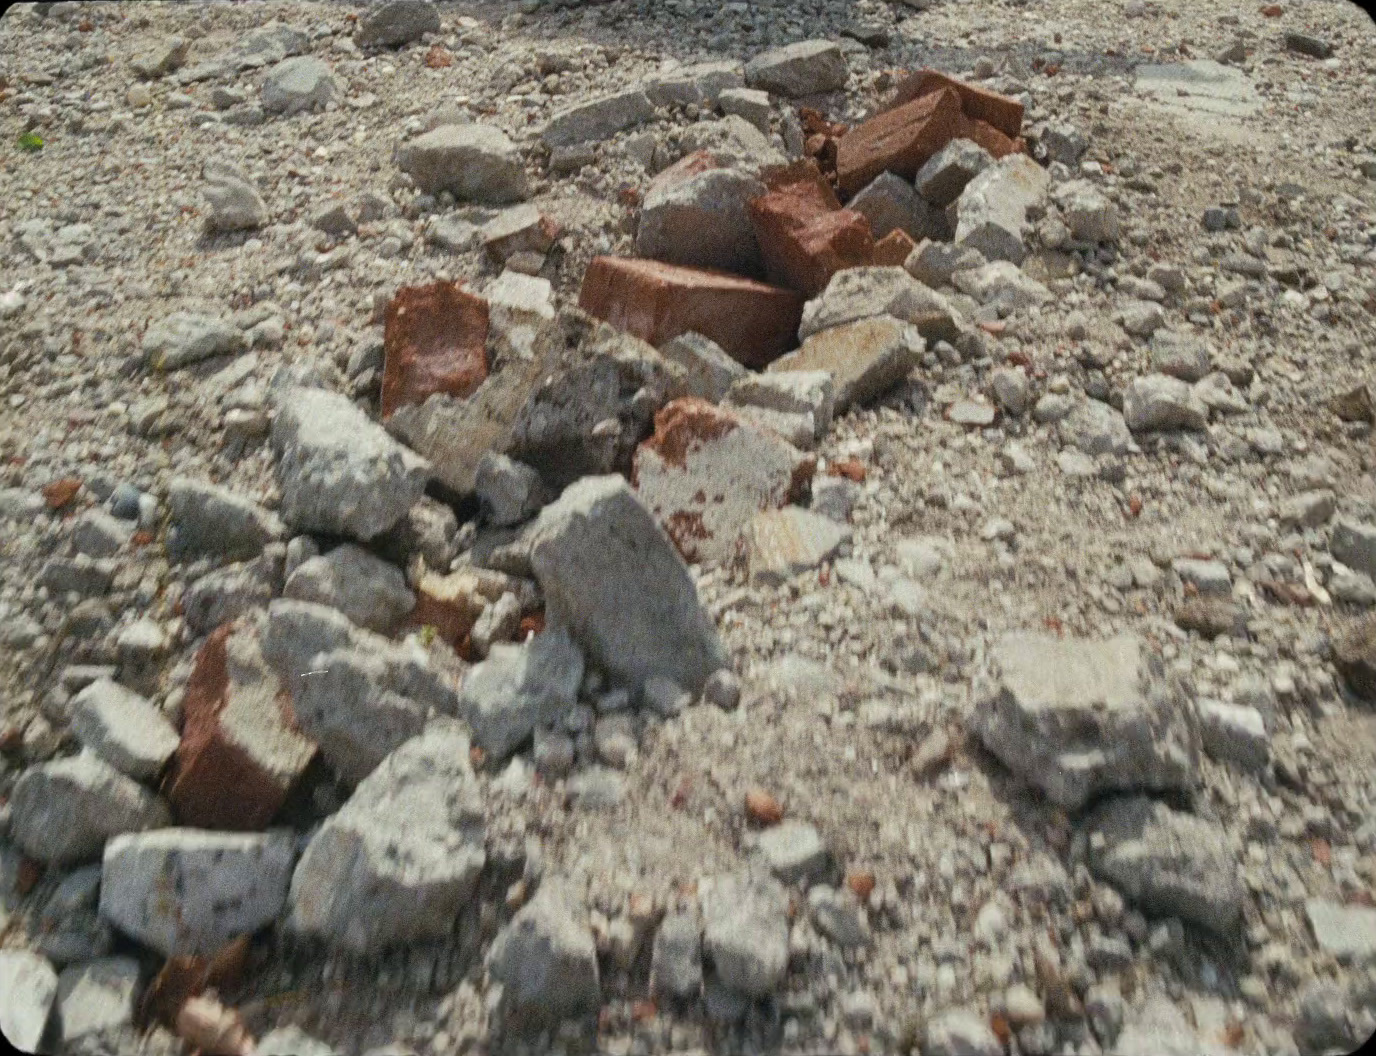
x: 123, y: 728
x: 368, y: 590
x: 546, y: 961
x: 745, y: 932
x: 30, y: 985
x: 472, y: 162
x: 598, y: 118
x: 808, y: 67
x: 210, y: 519
x: 520, y: 687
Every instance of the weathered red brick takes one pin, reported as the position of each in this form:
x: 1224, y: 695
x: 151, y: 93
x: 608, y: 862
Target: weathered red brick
x: 898, y: 140
x: 893, y: 249
x: 988, y: 137
x: 1001, y: 112
x: 240, y: 752
x: 805, y: 236
x: 435, y: 340
x: 753, y: 322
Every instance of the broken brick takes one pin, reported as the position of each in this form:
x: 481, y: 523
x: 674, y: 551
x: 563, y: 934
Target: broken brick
x: 987, y: 136
x: 240, y: 752
x: 898, y: 140
x: 435, y: 342
x: 893, y: 249
x: 753, y: 322
x: 1003, y: 113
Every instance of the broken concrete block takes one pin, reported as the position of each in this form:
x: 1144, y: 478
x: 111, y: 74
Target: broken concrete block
x: 900, y: 140
x: 992, y: 210
x: 865, y: 358
x: 781, y: 544
x: 864, y: 293
x: 700, y: 220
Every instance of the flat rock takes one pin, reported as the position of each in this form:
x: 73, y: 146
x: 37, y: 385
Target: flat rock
x: 189, y: 891
x: 865, y: 358
x: 710, y: 372
x: 865, y: 293
x: 1348, y: 932
x: 399, y: 861
x: 676, y: 961
x: 546, y: 961
x: 123, y: 728
x: 183, y: 338
x: 65, y: 810
x: 210, y: 519
x: 781, y: 544
x: 1234, y: 733
x: 366, y: 589
x: 705, y: 472
x: 745, y: 932
x: 612, y: 576
x: 340, y: 473
x: 1354, y: 544
x: 474, y: 162
x: 396, y: 23
x: 1165, y: 862
x: 96, y: 997
x: 298, y: 84
x: 1158, y: 402
x: 599, y: 118
x: 808, y: 67
x: 1354, y: 655
x: 30, y: 986
x: 1080, y: 717
x: 520, y: 687
x: 1199, y: 85
x: 793, y: 851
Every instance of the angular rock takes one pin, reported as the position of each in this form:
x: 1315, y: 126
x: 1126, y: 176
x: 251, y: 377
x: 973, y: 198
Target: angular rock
x: 710, y: 372
x: 1354, y: 655
x: 1354, y: 544
x: 701, y: 221
x: 839, y: 916
x: 240, y: 753
x: 934, y: 263
x: 865, y: 358
x: 96, y: 997
x: 396, y: 23
x: 890, y: 204
x: 520, y: 687
x: 30, y: 985
x: 98, y: 534
x: 705, y: 473
x: 1167, y: 863
x: 1096, y: 429
x: 167, y: 57
x: 184, y: 338
x: 1156, y: 402
x: 1348, y: 932
x: 65, y: 810
x: 992, y: 210
x: 399, y: 861
x: 780, y: 544
x: 1179, y: 355
x: 235, y: 204
x: 1078, y: 718
x: 960, y: 1032
x: 753, y: 322
x: 800, y: 392
x: 546, y: 961
x: 676, y: 961
x: 947, y: 172
x: 1002, y: 285
x: 732, y: 141
x: 123, y: 728
x: 1234, y: 733
x: 900, y: 140
x: 863, y: 293
x: 476, y: 162
x: 598, y: 119
x: 188, y: 891
x: 510, y: 491
x: 745, y: 932
x: 213, y: 520
x: 611, y: 575
x: 809, y: 67
x: 703, y: 83
x: 1208, y: 577
x: 794, y: 851
x: 298, y: 84
x: 369, y: 591
x: 230, y: 592
x: 1090, y: 216
x: 340, y: 473
x: 435, y: 341
x: 749, y: 103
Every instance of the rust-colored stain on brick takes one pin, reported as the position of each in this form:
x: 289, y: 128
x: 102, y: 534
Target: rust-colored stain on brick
x: 685, y: 424
x: 435, y: 341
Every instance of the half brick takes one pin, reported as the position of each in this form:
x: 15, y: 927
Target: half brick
x: 898, y: 140
x: 805, y: 236
x: 435, y: 340
x: 1000, y: 111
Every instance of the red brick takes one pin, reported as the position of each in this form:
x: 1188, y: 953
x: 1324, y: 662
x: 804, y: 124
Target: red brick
x: 893, y: 249
x: 753, y: 322
x: 435, y: 340
x: 240, y: 752
x: 898, y: 140
x: 988, y: 137
x: 805, y: 236
x: 1003, y: 113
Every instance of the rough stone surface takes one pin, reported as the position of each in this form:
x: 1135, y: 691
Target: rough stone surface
x: 510, y: 491
x: 298, y: 84
x: 704, y: 473
x: 944, y: 176
x: 30, y: 985
x: 598, y: 118
x: 397, y: 22
x: 1078, y: 718
x: 745, y: 932
x: 960, y: 1032
x: 611, y: 575
x: 710, y: 372
x: 184, y: 338
x: 96, y: 997
x: 1235, y: 733
x: 992, y: 209
x: 891, y: 204
x: 474, y: 162
x: 701, y: 221
x: 546, y: 961
x: 863, y: 293
x: 1156, y: 402
x: 809, y: 67
x: 189, y: 891
x: 401, y: 859
x: 123, y: 728
x: 865, y: 358
x: 340, y: 473
x: 781, y: 544
x: 520, y: 687
x: 366, y: 589
x: 676, y: 962
x: 210, y: 519
x: 1347, y: 932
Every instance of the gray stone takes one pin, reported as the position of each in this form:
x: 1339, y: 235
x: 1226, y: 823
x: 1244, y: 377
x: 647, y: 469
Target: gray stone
x: 298, y: 84
x: 1322, y: 1024
x: 722, y: 690
x: 509, y: 491
x: 29, y: 985
x: 1309, y: 509
x: 1140, y: 318
x: 472, y: 162
x: 933, y: 263
x: 169, y: 56
x: 793, y: 851
x: 855, y: 294
x: 334, y: 220
x: 1181, y: 356
x: 992, y: 209
x: 1064, y: 143
x: 734, y: 142
x: 123, y: 728
x: 960, y: 1032
x: 210, y: 519
x: 230, y: 592
x: 340, y: 473
x: 235, y: 204
x: 1354, y: 544
x: 889, y: 203
x: 749, y: 103
x: 808, y: 67
x: 88, y: 577
x: 865, y: 358
x: 1096, y: 429
x: 1165, y: 862
x: 96, y: 997
x: 839, y: 916
x: 1216, y: 392
x: 65, y: 810
x: 98, y: 534
x: 400, y: 860
x: 598, y: 118
x: 1208, y: 577
x: 834, y: 497
x: 1234, y: 733
x: 702, y: 221
x: 790, y: 391
x: 184, y: 338
x: 1348, y: 932
x: 520, y: 687
x: 745, y: 932
x: 16, y: 504
x: 1090, y: 216
x: 1011, y: 388
x: 369, y: 591
x: 189, y: 891
x: 676, y: 959
x: 710, y: 372
x: 781, y: 544
x: 945, y: 174
x: 546, y: 961
x: 1157, y: 402
x: 1002, y: 285
x: 396, y: 23
x: 428, y: 530
x: 1078, y: 718
x: 611, y: 575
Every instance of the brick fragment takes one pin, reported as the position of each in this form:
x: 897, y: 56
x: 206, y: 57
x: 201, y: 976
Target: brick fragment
x: 893, y: 249
x: 1003, y: 113
x: 899, y: 140
x: 435, y: 340
x: 987, y: 136
x: 753, y: 322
